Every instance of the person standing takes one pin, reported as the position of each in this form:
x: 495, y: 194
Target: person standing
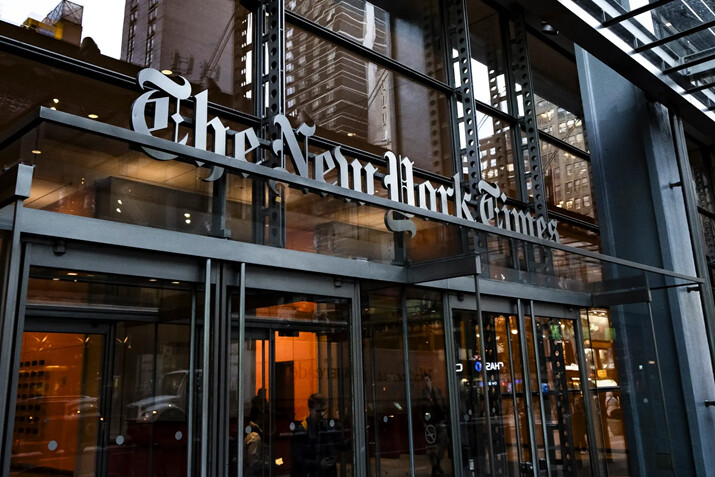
x: 316, y: 442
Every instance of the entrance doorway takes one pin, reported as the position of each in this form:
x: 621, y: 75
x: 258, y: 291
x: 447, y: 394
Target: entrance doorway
x: 521, y: 402
x: 296, y: 347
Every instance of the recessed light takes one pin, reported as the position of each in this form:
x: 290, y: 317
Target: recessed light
x: 36, y: 152
x: 72, y: 274
x: 351, y: 134
x: 167, y: 72
x: 53, y: 108
x: 152, y: 279
x: 188, y: 221
x: 55, y: 100
x: 119, y: 201
x: 92, y: 116
x: 175, y: 283
x: 187, y: 215
x: 119, y: 210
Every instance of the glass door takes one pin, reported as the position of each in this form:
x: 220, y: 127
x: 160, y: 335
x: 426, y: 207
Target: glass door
x: 296, y: 399
x: 563, y: 449
x: 58, y: 412
x: 521, y: 403
x: 104, y: 375
x: 502, y: 428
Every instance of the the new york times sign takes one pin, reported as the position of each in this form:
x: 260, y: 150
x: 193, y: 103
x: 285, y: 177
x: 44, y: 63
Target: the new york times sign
x: 161, y: 104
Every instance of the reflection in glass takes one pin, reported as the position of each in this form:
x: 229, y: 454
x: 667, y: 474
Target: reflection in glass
x: 209, y: 46
x: 406, y: 31
x: 487, y: 56
x: 430, y: 406
x: 607, y: 406
x: 359, y: 103
x: 560, y: 123
x: 148, y: 425
x: 86, y: 175
x: 385, y: 383
x: 58, y: 410
x: 560, y: 387
x: 568, y: 182
x: 283, y: 370
x: 496, y: 154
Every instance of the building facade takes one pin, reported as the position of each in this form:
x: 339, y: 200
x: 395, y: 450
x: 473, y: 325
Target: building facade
x: 340, y: 237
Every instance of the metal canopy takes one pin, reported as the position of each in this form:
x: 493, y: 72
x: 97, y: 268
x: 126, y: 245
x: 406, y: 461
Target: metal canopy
x: 676, y: 38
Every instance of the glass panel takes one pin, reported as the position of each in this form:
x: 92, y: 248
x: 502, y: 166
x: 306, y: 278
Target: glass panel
x: 472, y: 425
x: 496, y: 154
x: 406, y: 31
x: 557, y: 93
x: 487, y: 56
x: 560, y: 123
x: 33, y: 84
x: 568, y: 182
x: 702, y: 175
x: 289, y: 376
x: 428, y: 379
x: 509, y: 432
x: 560, y: 386
x: 385, y: 383
x: 209, y: 46
x: 332, y: 226
x: 58, y: 409
x: 263, y: 304
x: 359, y: 103
x: 147, y: 424
x: 91, y: 176
x: 600, y: 347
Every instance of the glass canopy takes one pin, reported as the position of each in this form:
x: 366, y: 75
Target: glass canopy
x: 674, y: 39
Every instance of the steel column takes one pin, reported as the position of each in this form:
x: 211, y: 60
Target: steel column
x: 361, y: 447
x: 529, y: 404
x: 11, y: 335
x: 691, y: 212
x: 206, y: 355
x: 408, y: 392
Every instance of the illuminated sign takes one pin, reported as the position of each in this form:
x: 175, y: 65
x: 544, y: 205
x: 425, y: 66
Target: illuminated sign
x: 161, y: 104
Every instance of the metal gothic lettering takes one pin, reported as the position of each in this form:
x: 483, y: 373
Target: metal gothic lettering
x: 489, y: 207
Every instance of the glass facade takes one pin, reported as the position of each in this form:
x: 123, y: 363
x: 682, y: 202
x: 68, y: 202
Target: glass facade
x: 330, y: 303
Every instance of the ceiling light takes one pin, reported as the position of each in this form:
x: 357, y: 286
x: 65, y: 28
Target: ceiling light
x: 119, y: 210
x: 188, y: 221
x: 53, y: 108
x: 92, y: 116
x: 72, y: 274
x: 37, y: 152
x: 351, y: 134
x: 548, y: 29
x: 55, y: 100
x: 175, y: 283
x: 167, y: 72
x: 152, y: 279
